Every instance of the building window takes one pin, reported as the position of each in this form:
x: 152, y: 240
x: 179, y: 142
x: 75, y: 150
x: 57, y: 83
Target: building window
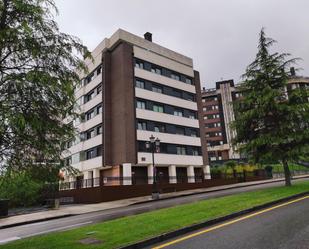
x: 188, y: 81
x: 142, y: 126
x: 89, y: 78
x: 89, y: 96
x: 221, y: 142
x: 90, y: 154
x: 156, y: 70
x: 90, y: 134
x: 195, y: 152
x: 156, y: 89
x: 139, y: 64
x: 181, y: 150
x: 99, y: 70
x: 178, y: 113
x: 140, y: 105
x: 193, y: 133
x: 180, y: 131
x: 140, y: 84
x: 175, y: 76
x: 204, y: 100
x: 99, y: 130
x: 99, y: 109
x: 157, y: 108
x: 190, y: 97
x: 191, y: 115
x: 69, y: 144
x: 99, y: 88
x: 93, y: 152
x: 90, y: 115
x: 159, y: 128
x: 68, y: 161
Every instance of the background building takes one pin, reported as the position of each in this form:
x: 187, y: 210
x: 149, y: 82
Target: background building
x: 136, y: 88
x: 218, y: 115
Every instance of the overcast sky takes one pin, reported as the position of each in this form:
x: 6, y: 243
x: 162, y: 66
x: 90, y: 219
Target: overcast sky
x: 220, y: 35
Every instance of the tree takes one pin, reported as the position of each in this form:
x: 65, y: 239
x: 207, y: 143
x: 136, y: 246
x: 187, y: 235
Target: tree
x: 272, y: 120
x: 38, y: 71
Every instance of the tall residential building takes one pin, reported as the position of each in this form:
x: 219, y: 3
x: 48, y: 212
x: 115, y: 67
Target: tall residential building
x: 218, y: 115
x: 136, y: 88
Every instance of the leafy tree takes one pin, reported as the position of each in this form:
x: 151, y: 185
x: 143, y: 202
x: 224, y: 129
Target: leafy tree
x: 21, y: 189
x: 232, y: 165
x: 38, y: 67
x: 272, y: 120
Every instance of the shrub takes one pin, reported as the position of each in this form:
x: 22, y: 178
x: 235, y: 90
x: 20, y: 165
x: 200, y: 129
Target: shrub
x: 20, y: 188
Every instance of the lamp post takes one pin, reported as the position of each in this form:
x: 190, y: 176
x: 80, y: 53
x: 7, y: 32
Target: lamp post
x: 154, y: 145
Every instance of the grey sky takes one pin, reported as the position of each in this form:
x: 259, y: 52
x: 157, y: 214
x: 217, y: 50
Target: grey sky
x: 220, y: 35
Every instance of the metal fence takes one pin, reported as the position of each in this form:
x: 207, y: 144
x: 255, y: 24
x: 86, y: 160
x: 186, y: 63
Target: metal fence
x: 160, y: 179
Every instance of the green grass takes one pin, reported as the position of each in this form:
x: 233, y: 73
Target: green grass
x: 130, y: 229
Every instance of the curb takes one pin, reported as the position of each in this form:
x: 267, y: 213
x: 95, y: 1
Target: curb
x: 191, y: 228
x: 215, y: 190
x: 35, y: 221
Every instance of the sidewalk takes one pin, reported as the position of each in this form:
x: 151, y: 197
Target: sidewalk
x: 70, y: 210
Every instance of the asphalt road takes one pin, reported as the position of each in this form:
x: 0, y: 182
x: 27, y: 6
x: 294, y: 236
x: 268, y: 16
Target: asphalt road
x: 24, y: 231
x: 284, y: 227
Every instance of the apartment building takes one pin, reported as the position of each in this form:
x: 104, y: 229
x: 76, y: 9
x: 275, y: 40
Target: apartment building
x: 136, y: 88
x: 218, y: 115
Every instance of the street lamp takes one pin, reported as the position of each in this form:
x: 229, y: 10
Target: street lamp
x: 154, y: 145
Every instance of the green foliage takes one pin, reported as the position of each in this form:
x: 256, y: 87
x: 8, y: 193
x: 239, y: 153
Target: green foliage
x: 272, y: 121
x: 38, y: 67
x: 230, y: 164
x: 21, y: 189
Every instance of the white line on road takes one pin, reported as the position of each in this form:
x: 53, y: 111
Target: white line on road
x: 4, y: 241
x: 36, y: 224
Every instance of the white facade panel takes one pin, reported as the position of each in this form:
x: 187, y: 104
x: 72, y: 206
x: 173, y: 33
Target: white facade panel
x: 166, y: 99
x: 85, y: 145
x: 162, y: 61
x: 169, y: 138
x: 166, y: 118
x: 89, y: 164
x: 144, y: 74
x: 169, y: 159
x: 92, y: 103
x: 87, y: 88
x: 90, y: 123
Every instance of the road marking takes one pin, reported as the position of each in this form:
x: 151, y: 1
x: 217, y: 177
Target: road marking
x: 228, y: 223
x: 4, y: 241
x: 59, y: 229
x: 36, y: 224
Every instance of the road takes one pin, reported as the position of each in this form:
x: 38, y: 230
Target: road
x: 279, y: 227
x: 61, y: 224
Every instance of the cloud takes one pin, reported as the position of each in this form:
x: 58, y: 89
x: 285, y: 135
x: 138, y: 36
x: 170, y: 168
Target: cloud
x: 221, y: 36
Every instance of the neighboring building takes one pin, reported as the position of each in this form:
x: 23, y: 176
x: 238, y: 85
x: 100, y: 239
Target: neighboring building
x: 136, y: 88
x: 218, y: 115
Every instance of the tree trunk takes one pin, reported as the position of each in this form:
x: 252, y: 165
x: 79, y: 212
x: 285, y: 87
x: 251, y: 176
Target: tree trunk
x: 287, y: 173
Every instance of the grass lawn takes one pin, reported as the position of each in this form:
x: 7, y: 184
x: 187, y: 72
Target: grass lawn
x: 130, y: 229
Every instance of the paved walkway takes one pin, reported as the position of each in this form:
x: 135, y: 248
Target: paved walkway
x: 68, y: 210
